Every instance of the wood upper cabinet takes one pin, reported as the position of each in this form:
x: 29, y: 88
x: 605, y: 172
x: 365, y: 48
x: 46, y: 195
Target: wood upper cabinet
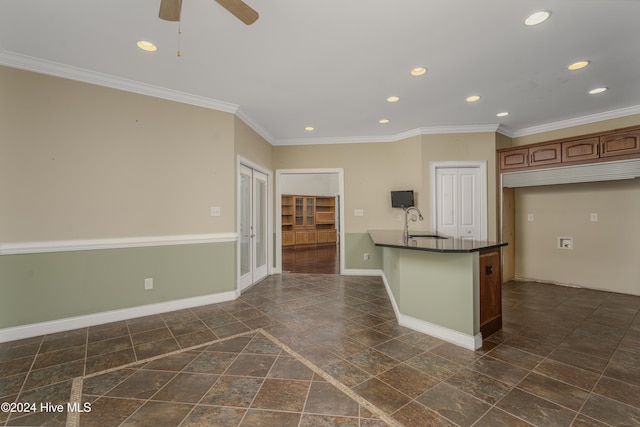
x: 603, y: 147
x: 514, y: 159
x: 620, y: 144
x: 581, y: 149
x: 545, y: 154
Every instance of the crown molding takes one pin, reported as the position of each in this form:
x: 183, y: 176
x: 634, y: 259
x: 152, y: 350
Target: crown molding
x: 56, y: 69
x: 256, y: 127
x: 578, y: 121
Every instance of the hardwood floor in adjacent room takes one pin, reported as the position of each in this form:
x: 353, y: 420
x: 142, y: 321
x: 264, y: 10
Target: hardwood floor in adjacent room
x: 321, y: 259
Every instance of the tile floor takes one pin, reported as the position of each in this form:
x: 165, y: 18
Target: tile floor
x: 323, y: 350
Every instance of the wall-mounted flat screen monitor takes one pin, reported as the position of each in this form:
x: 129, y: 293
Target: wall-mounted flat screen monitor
x: 402, y: 199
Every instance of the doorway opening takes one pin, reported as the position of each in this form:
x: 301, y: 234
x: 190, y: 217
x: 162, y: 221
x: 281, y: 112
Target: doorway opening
x: 309, y: 218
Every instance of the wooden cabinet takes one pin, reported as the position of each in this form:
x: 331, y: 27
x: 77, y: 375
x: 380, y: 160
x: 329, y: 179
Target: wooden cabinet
x: 581, y: 149
x: 535, y: 156
x: 308, y: 220
x: 620, y: 144
x: 490, y: 292
x: 613, y: 145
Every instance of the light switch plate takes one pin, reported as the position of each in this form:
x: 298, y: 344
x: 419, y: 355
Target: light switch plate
x: 594, y: 217
x: 358, y: 212
x: 215, y: 211
x: 529, y: 217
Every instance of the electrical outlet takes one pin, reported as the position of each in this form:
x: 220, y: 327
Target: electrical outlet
x: 529, y: 217
x: 565, y: 242
x: 358, y: 212
x: 215, y: 211
x: 148, y: 283
x: 594, y: 217
x: 366, y: 257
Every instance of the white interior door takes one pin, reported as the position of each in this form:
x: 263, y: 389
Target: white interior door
x: 253, y: 226
x: 458, y: 202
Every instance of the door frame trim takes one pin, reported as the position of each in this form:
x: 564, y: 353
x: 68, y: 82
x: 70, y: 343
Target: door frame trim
x: 241, y: 161
x: 278, y: 210
x: 482, y: 165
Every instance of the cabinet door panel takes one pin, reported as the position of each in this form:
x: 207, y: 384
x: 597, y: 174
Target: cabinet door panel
x: 582, y: 149
x: 620, y: 144
x: 490, y: 293
x: 513, y: 159
x: 544, y: 155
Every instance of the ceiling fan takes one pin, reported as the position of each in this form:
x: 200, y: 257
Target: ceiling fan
x: 170, y: 10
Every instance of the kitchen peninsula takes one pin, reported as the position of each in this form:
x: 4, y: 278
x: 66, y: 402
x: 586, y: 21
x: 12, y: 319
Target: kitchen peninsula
x: 449, y: 288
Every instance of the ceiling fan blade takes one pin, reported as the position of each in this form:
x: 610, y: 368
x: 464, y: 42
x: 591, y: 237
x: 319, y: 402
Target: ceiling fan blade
x: 170, y: 10
x: 241, y: 10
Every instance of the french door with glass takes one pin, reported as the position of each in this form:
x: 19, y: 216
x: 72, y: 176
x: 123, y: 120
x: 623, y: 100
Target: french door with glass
x: 253, y: 226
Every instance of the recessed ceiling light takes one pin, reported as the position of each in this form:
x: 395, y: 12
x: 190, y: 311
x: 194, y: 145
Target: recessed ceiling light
x: 383, y: 121
x: 418, y: 71
x: 393, y: 99
x: 148, y: 46
x: 473, y: 98
x: 309, y: 128
x: 578, y: 65
x: 597, y: 90
x: 504, y: 113
x: 537, y: 18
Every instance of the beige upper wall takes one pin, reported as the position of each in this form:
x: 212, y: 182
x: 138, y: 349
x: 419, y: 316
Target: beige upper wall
x: 252, y: 147
x: 79, y: 161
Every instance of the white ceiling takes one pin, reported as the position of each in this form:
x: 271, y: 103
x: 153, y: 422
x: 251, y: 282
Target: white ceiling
x: 331, y: 64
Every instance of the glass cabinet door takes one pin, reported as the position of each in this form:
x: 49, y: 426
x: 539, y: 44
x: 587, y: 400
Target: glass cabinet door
x: 310, y: 212
x: 299, y: 206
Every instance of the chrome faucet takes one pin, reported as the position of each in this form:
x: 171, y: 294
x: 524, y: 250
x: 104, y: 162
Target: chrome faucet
x: 405, y: 234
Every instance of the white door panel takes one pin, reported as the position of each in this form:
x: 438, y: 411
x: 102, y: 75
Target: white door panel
x: 458, y: 195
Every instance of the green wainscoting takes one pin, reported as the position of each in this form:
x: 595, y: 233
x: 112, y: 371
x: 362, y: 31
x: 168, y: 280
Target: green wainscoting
x: 43, y: 287
x: 356, y: 245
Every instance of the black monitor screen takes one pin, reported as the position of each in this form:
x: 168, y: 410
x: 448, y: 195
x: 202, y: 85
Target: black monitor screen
x: 402, y: 199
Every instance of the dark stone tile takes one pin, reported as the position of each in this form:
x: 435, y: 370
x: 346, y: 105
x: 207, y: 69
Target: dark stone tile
x: 256, y: 417
x: 108, y: 345
x: 344, y: 346
x: 251, y: 365
x: 195, y: 339
x: 398, y: 349
x: 109, y: 361
x: 291, y: 369
x: 569, y: 374
x: 213, y: 416
x: 579, y: 360
x: 516, y: 356
x: 259, y: 322
x: 611, y: 411
x: 370, y: 337
x: 211, y: 362
x: 58, y: 393
x: 16, y: 366
x: 434, y: 365
x: 415, y: 414
x: 623, y: 372
x: 381, y: 395
x: 496, y: 417
x: 187, y: 327
x: 142, y: 384
x: 481, y: 386
x: 174, y: 362
x: 151, y: 335
x: 346, y: 373
x: 618, y: 390
x: 261, y: 345
x: 281, y: 395
x: 555, y: 391
x: 422, y: 341
x: 179, y: 316
x: 144, y: 324
x: 109, y: 411
x: 372, y: 361
x: 156, y: 348
x: 14, y: 350
x: 101, y: 384
x: 40, y: 419
x: 159, y: 414
x: 324, y: 398
x: 11, y: 385
x: 455, y: 405
x: 107, y: 331
x: 231, y: 345
x: 499, y: 370
x: 60, y: 341
x: 531, y: 345
x: 54, y: 374
x: 186, y: 388
x: 230, y: 329
x: 233, y: 391
x: 535, y: 410
x: 328, y: 420
x: 408, y: 380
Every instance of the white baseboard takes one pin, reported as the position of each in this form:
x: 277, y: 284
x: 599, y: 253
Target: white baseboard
x: 69, y: 323
x: 469, y: 342
x: 361, y: 272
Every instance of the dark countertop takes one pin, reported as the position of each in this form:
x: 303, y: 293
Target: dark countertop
x: 393, y: 239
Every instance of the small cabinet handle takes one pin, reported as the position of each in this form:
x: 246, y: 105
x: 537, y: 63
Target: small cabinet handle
x: 488, y: 269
